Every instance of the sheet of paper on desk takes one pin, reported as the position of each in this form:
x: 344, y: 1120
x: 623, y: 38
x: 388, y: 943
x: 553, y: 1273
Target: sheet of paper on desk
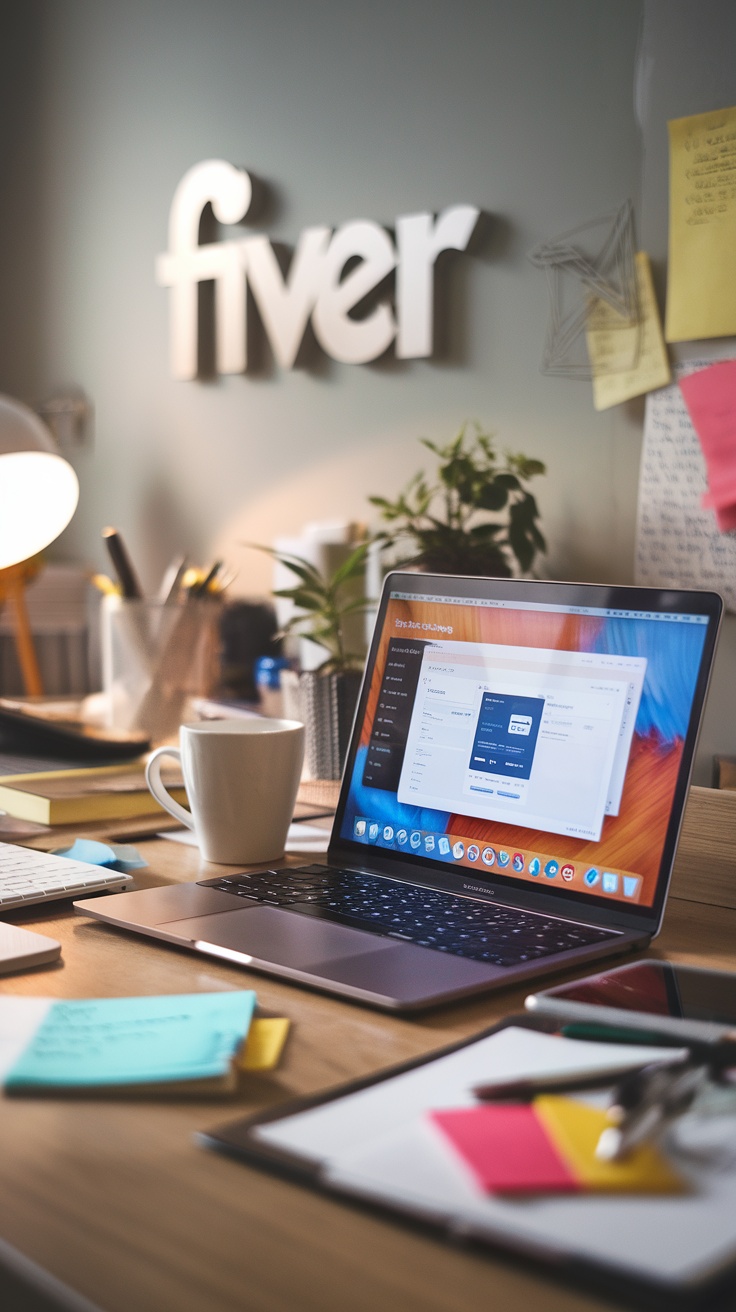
x: 300, y: 838
x: 326, y: 1131
x: 701, y: 279
x: 378, y: 1144
x: 99, y: 1042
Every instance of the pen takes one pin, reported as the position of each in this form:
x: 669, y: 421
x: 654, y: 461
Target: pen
x: 172, y: 580
x: 599, y: 1033
x: 645, y: 1103
x: 129, y: 585
x: 199, y: 589
x: 716, y: 1054
x: 551, y: 1082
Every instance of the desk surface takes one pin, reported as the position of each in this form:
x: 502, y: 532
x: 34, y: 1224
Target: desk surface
x: 116, y: 1200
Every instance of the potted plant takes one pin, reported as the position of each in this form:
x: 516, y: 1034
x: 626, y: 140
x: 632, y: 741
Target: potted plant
x: 475, y: 516
x: 327, y: 695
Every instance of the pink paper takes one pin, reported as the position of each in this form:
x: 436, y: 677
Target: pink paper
x: 506, y: 1148
x: 710, y: 396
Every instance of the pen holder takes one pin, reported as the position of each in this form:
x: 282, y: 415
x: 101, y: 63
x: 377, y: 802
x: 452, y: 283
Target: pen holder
x: 155, y: 656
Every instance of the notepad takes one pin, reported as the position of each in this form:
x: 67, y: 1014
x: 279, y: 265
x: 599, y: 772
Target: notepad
x: 374, y: 1141
x: 182, y: 1042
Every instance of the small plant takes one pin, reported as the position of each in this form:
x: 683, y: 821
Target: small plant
x: 475, y: 517
x: 324, y: 604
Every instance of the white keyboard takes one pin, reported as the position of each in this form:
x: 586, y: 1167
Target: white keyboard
x: 27, y: 877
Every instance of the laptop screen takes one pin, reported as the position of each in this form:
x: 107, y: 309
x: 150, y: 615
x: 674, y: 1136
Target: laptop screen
x: 539, y: 734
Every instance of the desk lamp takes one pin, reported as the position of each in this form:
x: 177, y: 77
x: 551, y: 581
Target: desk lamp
x: 38, y: 496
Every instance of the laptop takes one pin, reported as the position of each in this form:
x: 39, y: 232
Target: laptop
x: 511, y: 802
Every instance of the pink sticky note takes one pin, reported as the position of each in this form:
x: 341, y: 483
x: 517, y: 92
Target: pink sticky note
x: 506, y: 1148
x: 710, y: 396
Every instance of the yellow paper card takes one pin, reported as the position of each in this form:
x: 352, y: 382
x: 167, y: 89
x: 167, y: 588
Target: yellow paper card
x: 627, y: 360
x: 575, y: 1129
x: 265, y: 1043
x: 701, y: 281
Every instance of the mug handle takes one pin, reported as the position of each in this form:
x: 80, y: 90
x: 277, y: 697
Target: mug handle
x: 159, y: 791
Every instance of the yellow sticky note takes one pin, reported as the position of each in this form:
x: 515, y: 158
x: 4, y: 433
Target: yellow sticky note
x: 575, y: 1129
x: 265, y: 1043
x: 701, y: 280
x: 627, y: 360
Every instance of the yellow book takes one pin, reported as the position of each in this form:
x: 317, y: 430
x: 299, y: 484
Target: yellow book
x: 62, y: 797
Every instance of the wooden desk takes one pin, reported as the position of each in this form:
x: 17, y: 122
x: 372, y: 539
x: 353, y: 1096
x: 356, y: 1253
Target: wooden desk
x: 116, y: 1200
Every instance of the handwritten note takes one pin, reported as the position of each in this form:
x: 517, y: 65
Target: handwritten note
x: 678, y: 543
x: 140, y: 1040
x: 627, y: 359
x: 701, y: 286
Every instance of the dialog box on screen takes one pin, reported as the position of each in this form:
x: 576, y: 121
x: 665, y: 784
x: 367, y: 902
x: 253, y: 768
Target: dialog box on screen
x: 529, y: 736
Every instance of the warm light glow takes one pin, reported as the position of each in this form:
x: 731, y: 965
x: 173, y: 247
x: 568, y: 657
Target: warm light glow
x: 38, y: 496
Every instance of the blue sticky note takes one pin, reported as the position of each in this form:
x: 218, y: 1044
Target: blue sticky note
x: 114, y: 856
x: 112, y: 1041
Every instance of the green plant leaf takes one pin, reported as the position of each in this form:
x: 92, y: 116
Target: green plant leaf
x: 444, y: 522
x: 350, y: 568
x: 493, y: 496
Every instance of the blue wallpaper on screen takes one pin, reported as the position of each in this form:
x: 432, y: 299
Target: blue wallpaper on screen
x: 673, y: 652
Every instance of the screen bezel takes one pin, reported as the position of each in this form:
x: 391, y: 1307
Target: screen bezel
x: 595, y: 909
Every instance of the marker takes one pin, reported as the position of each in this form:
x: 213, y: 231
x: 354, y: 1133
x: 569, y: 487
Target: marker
x: 129, y: 585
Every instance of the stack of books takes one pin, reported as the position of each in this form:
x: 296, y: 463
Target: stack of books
x: 81, y: 794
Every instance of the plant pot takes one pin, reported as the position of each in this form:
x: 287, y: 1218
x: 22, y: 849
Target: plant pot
x: 326, y: 704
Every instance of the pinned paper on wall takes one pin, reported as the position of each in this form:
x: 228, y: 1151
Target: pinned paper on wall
x: 627, y: 358
x: 678, y: 543
x: 710, y: 396
x: 701, y: 283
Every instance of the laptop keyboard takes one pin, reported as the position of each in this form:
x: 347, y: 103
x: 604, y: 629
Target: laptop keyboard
x: 496, y: 935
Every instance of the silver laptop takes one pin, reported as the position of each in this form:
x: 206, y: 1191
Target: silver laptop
x: 511, y: 802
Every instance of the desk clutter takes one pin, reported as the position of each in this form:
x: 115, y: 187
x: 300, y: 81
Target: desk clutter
x: 173, y: 1045
x: 528, y: 1175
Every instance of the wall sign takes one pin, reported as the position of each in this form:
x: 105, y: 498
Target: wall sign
x: 318, y: 285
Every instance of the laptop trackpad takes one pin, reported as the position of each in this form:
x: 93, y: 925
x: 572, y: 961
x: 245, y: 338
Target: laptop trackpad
x: 276, y: 936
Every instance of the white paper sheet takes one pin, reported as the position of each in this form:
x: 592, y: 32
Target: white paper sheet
x: 19, y: 1020
x: 301, y: 838
x: 678, y: 543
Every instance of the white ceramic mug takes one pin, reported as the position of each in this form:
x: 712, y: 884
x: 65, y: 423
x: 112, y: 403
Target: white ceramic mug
x: 241, y: 778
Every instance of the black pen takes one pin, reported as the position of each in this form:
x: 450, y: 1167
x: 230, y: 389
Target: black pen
x: 127, y: 578
x: 532, y: 1086
x: 199, y: 589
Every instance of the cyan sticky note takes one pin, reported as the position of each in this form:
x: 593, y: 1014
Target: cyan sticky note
x: 114, y: 856
x: 117, y: 1041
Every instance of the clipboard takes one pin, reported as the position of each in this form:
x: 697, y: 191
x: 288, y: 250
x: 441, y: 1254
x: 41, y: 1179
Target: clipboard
x: 574, y: 1237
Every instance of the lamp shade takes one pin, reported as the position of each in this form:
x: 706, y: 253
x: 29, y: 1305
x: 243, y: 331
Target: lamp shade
x: 39, y: 490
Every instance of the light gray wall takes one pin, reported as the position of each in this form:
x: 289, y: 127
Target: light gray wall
x: 523, y: 107
x: 686, y: 66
